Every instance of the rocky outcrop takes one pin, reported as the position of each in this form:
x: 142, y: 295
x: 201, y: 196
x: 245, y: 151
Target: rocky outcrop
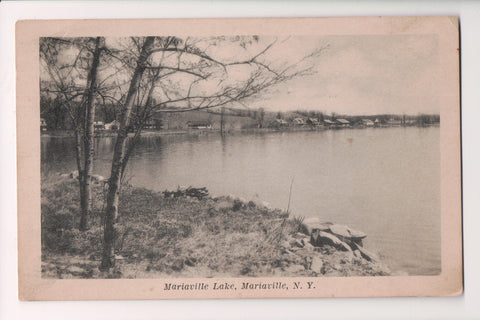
x: 337, y: 235
x: 319, y: 238
x: 369, y: 256
x: 346, y: 232
x: 346, y: 244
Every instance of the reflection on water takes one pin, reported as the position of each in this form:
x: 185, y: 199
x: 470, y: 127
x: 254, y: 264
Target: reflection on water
x: 385, y: 182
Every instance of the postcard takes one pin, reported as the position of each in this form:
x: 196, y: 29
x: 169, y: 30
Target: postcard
x: 239, y: 158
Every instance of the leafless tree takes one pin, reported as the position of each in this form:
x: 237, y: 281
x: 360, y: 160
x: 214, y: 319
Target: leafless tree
x: 189, y: 75
x: 64, y: 78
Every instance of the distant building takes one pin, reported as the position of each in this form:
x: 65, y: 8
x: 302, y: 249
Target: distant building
x: 199, y: 125
x: 150, y: 124
x: 112, y: 126
x: 298, y: 122
x: 328, y: 122
x: 343, y: 122
x: 278, y: 123
x: 313, y: 122
x: 368, y: 122
x: 99, y: 125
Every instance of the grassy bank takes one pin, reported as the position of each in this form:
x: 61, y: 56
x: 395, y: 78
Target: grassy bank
x: 159, y: 237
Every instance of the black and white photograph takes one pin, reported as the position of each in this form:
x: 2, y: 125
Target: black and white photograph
x: 265, y: 161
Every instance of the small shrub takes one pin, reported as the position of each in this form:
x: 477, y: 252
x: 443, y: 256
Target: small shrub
x: 237, y: 205
x: 297, y: 225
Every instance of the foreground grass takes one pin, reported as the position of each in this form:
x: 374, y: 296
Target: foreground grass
x: 183, y: 237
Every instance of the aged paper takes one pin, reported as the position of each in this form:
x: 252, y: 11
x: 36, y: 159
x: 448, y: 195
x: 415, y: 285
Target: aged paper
x: 234, y: 110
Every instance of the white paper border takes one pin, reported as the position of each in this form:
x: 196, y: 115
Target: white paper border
x: 463, y: 307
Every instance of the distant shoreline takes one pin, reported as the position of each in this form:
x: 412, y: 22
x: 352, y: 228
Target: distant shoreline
x: 154, y: 132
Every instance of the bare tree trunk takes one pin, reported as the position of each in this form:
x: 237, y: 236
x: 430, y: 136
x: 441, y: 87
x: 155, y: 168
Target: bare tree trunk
x: 143, y: 119
x: 222, y: 121
x: 86, y: 194
x: 78, y: 157
x: 111, y: 211
x: 129, y: 151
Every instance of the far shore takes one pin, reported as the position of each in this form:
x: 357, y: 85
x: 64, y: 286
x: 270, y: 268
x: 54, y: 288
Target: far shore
x: 165, y: 132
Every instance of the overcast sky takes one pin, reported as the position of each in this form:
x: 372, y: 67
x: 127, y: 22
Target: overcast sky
x: 353, y: 74
x: 365, y: 74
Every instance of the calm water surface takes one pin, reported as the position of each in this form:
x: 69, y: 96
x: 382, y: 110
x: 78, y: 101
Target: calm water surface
x: 385, y: 182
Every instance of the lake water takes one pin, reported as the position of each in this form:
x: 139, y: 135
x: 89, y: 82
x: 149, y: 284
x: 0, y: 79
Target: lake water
x: 383, y: 181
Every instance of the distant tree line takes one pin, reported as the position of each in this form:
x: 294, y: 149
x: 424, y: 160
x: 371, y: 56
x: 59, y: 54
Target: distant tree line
x: 56, y: 115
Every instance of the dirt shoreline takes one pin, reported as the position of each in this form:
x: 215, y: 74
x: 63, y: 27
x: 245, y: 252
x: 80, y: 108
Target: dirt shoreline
x: 180, y: 235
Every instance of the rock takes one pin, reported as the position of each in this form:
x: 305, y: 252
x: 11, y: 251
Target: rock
x: 71, y: 175
x: 317, y: 226
x: 285, y: 244
x: 296, y: 243
x: 75, y: 270
x: 320, y: 238
x: 223, y: 205
x: 177, y: 265
x: 242, y: 200
x: 74, y: 174
x: 98, y: 178
x: 190, y: 262
x: 358, y: 241
x: 265, y: 204
x: 196, y: 193
x: 337, y: 266
x: 349, y: 256
x: 308, y: 262
x: 317, y: 265
x: 313, y: 223
x: 294, y: 268
x: 334, y: 273
x: 347, y: 232
x: 189, y: 193
x: 299, y: 235
x: 256, y: 201
x: 307, y: 245
x: 367, y: 255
